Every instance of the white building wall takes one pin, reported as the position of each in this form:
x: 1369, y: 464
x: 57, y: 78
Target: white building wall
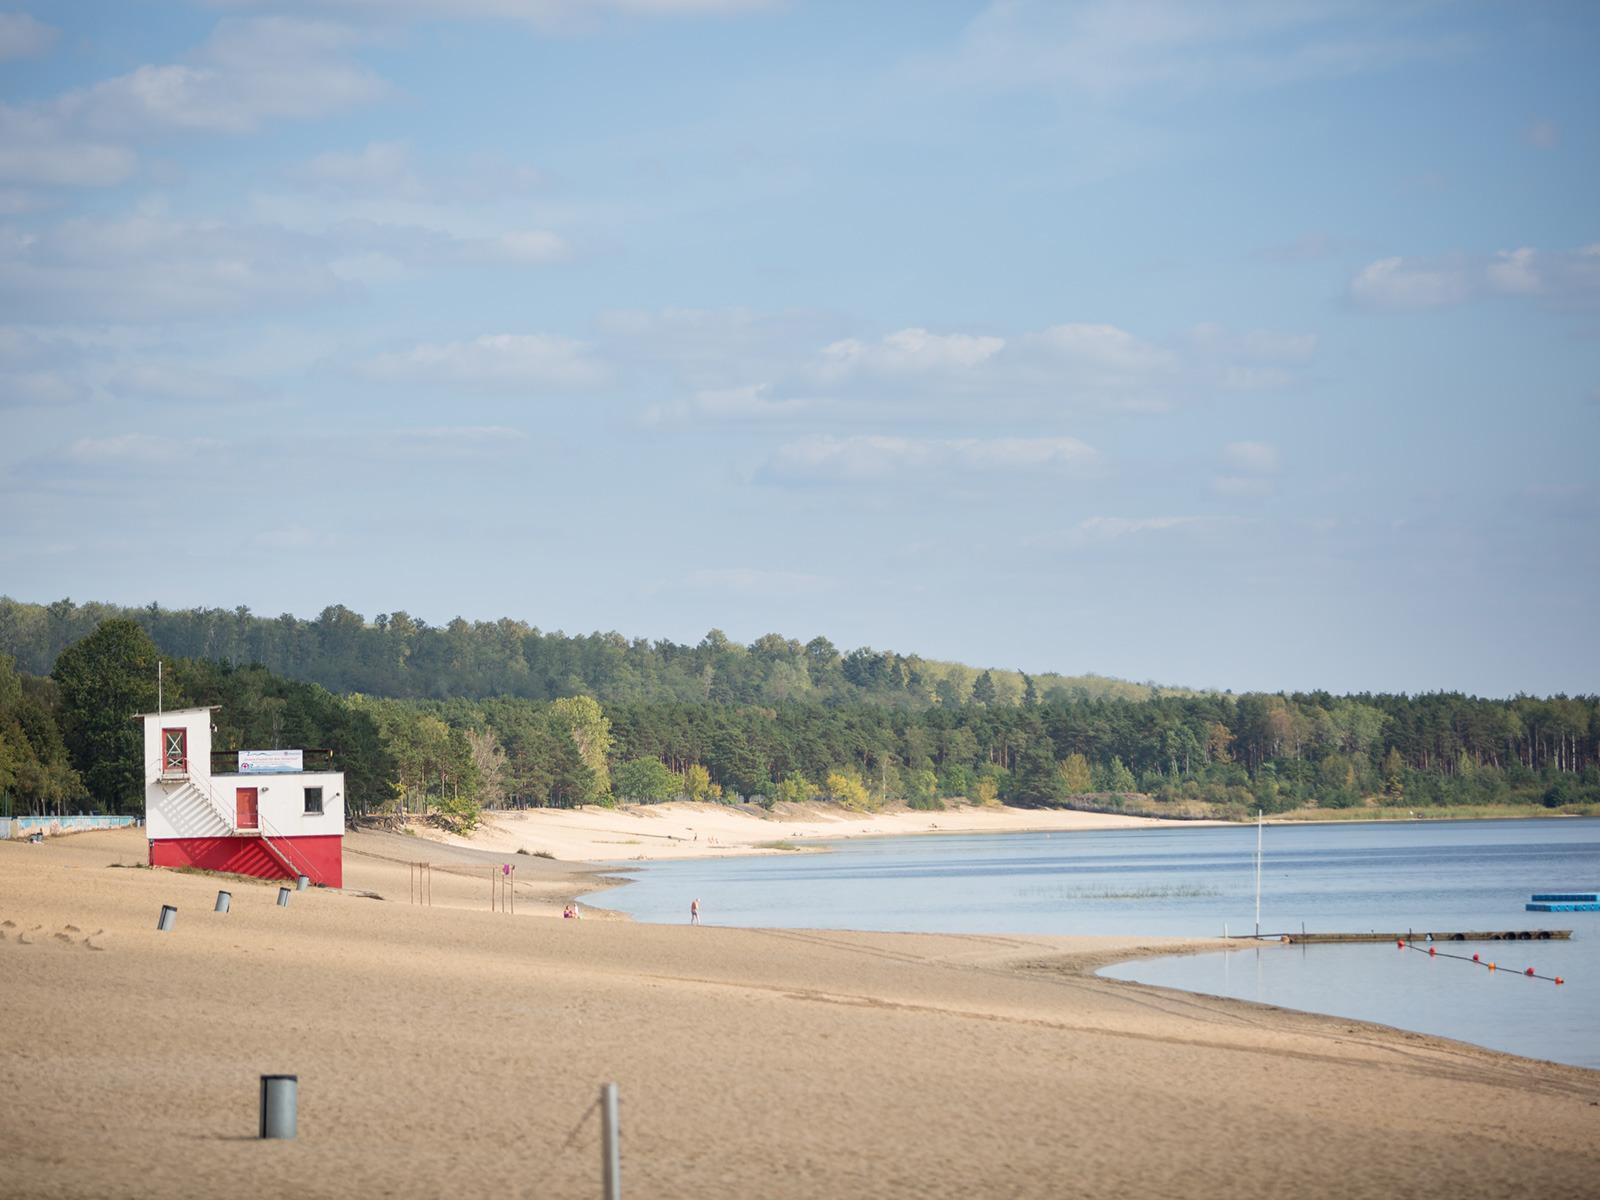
x: 204, y: 805
x: 179, y: 808
x: 281, y: 801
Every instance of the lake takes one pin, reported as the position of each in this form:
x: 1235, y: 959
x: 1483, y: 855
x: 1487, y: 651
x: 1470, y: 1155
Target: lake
x: 1200, y: 880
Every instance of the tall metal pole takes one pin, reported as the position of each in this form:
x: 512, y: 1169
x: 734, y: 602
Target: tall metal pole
x: 160, y: 708
x: 1258, y: 872
x: 610, y: 1151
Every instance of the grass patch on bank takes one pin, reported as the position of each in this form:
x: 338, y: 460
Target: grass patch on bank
x: 1172, y: 891
x: 1452, y: 812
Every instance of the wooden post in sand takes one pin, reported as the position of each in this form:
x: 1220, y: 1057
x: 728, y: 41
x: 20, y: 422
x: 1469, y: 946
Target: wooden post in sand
x: 610, y: 1150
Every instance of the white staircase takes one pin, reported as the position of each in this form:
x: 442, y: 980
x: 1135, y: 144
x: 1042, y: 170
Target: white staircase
x: 197, y: 811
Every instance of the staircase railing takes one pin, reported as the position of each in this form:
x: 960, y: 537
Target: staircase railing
x: 202, y: 786
x: 283, y: 850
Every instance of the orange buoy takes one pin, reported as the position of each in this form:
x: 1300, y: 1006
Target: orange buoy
x: 1491, y: 966
x: 1401, y: 943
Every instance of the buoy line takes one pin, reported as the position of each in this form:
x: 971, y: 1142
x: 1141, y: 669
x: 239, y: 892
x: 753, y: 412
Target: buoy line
x: 1435, y: 952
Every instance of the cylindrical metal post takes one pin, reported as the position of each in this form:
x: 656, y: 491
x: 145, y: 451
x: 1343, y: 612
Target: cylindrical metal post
x: 283, y: 897
x: 302, y: 882
x: 167, y: 919
x: 280, y: 1095
x: 224, y: 901
x: 610, y: 1150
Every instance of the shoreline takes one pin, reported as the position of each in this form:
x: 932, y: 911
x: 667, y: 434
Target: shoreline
x: 599, y: 837
x: 750, y: 1062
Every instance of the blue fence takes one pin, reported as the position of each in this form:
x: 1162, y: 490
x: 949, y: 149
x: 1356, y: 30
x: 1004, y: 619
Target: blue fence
x: 17, y: 827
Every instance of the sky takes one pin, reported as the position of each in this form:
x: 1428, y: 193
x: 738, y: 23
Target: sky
x: 1246, y: 344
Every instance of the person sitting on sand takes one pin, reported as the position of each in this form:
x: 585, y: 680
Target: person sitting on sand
x: 571, y: 912
x: 694, y: 911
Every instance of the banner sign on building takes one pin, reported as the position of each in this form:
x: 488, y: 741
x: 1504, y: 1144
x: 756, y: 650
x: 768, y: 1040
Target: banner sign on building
x: 270, y: 762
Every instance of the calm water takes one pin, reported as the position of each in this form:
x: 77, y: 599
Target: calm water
x: 1183, y: 881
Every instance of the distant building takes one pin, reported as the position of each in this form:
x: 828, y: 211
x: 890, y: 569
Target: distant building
x: 270, y: 818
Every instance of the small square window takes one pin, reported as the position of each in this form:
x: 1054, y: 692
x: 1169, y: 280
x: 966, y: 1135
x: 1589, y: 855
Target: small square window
x: 313, y: 802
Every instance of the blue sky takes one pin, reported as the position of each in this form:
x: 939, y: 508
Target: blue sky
x: 1248, y: 345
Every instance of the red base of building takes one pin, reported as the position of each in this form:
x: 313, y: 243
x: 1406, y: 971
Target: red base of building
x: 321, y: 858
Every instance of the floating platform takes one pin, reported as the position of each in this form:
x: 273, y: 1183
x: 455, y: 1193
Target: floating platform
x: 1477, y: 935
x: 1593, y: 906
x: 1567, y: 897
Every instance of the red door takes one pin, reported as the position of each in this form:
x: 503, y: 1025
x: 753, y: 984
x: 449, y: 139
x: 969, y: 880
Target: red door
x: 245, y: 800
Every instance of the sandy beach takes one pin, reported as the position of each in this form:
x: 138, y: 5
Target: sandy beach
x: 453, y: 1051
x: 683, y: 830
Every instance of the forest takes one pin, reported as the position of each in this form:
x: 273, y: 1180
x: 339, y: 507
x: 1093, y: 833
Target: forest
x: 637, y: 723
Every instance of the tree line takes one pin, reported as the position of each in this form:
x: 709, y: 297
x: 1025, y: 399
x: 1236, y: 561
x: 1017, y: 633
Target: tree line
x: 403, y: 657
x: 66, y: 740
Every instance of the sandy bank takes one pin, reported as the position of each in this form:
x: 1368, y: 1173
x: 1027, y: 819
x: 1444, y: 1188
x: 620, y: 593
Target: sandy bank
x: 655, y: 831
x: 451, y: 1051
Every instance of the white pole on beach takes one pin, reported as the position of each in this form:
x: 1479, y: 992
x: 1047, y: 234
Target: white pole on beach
x: 610, y: 1151
x: 1258, y: 872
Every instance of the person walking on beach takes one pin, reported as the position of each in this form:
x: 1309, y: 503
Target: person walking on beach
x: 694, y: 911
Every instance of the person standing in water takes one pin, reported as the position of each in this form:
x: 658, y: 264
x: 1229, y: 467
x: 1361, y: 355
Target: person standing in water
x: 694, y: 911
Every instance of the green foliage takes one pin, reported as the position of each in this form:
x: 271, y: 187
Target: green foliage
x: 794, y: 789
x: 847, y: 791
x: 400, y: 656
x: 645, y: 781
x: 1115, y: 777
x: 106, y: 680
x: 35, y: 773
x: 1076, y: 778
x: 574, y: 714
x: 983, y: 690
x: 922, y: 790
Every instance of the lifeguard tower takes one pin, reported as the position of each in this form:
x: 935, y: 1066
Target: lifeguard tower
x: 269, y: 818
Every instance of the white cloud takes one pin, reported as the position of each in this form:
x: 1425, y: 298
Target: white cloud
x: 23, y: 37
x: 1414, y: 283
x: 752, y: 403
x: 911, y: 350
x: 163, y: 381
x: 1109, y: 529
x: 377, y: 167
x: 150, y: 268
x: 248, y: 72
x: 139, y: 450
x: 865, y: 457
x: 532, y: 246
x: 1110, y: 49
x: 1258, y: 457
x: 1410, y: 283
x: 505, y: 362
x: 41, y: 388
x: 36, y: 148
x: 740, y: 366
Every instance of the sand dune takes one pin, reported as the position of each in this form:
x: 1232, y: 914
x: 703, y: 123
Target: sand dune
x: 451, y: 1052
